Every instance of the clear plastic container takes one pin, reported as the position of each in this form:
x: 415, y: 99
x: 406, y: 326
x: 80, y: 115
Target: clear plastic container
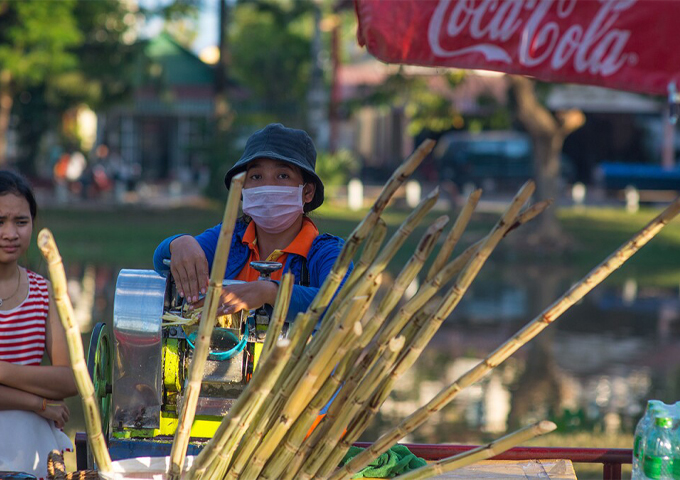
x: 657, y: 461
x: 654, y: 407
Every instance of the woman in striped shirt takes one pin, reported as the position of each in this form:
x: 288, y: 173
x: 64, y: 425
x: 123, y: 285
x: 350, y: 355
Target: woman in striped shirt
x: 32, y: 410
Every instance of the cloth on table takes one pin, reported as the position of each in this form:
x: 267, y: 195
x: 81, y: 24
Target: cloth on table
x: 395, y: 461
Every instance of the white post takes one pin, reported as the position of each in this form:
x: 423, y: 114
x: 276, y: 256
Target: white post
x: 632, y: 199
x: 629, y: 292
x: 355, y: 194
x: 578, y: 194
x: 413, y: 193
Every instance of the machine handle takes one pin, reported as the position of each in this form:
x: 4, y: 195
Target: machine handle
x: 266, y: 269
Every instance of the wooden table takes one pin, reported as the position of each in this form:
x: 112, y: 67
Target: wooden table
x: 515, y: 470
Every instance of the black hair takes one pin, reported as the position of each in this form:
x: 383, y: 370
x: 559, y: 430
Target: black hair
x: 15, y: 184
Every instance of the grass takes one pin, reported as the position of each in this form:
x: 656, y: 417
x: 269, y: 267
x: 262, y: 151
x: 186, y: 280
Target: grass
x: 599, y: 231
x: 127, y: 236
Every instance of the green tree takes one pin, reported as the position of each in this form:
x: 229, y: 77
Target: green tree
x: 101, y: 70
x: 101, y: 76
x: 270, y: 44
x: 35, y: 43
x: 432, y: 110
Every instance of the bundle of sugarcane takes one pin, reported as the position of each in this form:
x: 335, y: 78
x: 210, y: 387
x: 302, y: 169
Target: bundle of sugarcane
x: 362, y: 345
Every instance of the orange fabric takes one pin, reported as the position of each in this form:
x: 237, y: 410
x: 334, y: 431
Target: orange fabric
x: 316, y: 423
x: 299, y: 246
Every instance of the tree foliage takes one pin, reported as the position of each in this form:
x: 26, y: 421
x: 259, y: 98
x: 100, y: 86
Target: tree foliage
x: 270, y: 45
x: 105, y: 56
x: 36, y: 39
x: 433, y: 110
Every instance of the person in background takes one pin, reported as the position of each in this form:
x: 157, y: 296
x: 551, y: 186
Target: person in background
x: 32, y: 408
x: 281, y: 187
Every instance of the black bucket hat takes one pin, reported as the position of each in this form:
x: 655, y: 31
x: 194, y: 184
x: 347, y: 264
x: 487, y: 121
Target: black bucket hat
x: 286, y: 144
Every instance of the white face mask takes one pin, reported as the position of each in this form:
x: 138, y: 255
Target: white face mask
x: 273, y: 208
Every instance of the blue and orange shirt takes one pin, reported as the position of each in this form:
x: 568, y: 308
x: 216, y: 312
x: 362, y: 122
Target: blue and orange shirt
x: 318, y: 261
x: 299, y: 246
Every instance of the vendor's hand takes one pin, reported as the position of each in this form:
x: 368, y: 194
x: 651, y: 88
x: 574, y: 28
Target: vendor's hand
x: 189, y: 267
x: 56, y: 411
x: 244, y: 296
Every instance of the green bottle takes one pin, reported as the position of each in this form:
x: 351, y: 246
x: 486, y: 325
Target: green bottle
x: 658, y: 456
x: 654, y: 409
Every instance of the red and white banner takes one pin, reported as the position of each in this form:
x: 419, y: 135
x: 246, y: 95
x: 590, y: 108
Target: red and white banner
x: 624, y: 44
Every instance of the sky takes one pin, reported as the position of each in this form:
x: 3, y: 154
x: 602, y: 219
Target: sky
x: 207, y: 24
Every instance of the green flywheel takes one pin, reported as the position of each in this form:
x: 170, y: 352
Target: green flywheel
x: 100, y: 368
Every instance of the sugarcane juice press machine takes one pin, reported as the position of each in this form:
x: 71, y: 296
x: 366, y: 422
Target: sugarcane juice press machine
x: 140, y: 368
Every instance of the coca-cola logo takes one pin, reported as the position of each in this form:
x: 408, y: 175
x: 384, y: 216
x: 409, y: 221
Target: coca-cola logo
x: 545, y: 34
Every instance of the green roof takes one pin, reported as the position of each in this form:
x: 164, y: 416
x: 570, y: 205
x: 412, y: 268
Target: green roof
x: 178, y: 66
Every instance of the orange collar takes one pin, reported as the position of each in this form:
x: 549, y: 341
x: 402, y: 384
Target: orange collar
x: 299, y: 246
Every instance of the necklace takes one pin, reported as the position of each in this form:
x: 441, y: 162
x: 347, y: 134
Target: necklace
x: 2, y: 300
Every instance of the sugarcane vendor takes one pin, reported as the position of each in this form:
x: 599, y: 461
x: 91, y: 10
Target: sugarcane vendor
x: 280, y: 189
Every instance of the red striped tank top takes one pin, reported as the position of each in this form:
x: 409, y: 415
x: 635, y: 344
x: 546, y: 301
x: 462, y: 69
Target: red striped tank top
x: 22, y: 329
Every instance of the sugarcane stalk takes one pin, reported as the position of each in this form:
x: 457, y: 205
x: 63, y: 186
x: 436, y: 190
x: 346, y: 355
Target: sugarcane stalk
x: 279, y: 466
x: 330, y: 387
x: 346, y: 429
x: 261, y: 420
x: 394, y: 294
x: 362, y: 230
x: 370, y: 251
x: 533, y: 328
x: 472, y: 266
x: 426, y: 292
x: 202, y: 346
x: 342, y: 362
x: 294, y: 371
x: 405, y: 230
x: 454, y: 267
x: 308, y: 385
x: 326, y: 387
x: 338, y: 378
x: 481, y: 453
x: 414, y: 305
x: 93, y: 423
x: 354, y: 429
x: 329, y: 353
x: 378, y: 266
x: 351, y: 407
x: 256, y: 432
x: 318, y: 341
x: 334, y: 279
x: 409, y: 272
x: 454, y: 235
x: 279, y: 313
x: 234, y: 425
x: 338, y: 271
x: 444, y: 309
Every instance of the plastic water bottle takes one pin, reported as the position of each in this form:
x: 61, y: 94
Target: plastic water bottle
x: 641, y: 431
x: 657, y: 461
x: 675, y: 438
